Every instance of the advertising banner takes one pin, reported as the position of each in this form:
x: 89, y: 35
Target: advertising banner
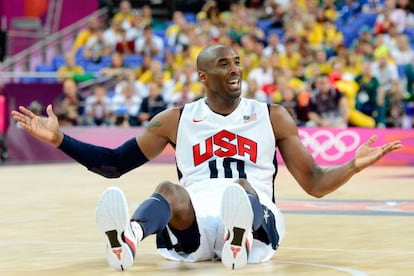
x: 327, y: 145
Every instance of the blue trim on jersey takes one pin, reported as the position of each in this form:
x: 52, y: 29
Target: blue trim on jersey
x: 275, y: 164
x: 179, y: 173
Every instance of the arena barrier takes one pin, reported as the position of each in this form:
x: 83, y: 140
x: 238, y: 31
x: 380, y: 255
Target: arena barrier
x: 2, y: 114
x: 328, y: 146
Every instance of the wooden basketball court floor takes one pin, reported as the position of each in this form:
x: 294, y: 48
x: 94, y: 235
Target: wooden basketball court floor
x: 47, y: 216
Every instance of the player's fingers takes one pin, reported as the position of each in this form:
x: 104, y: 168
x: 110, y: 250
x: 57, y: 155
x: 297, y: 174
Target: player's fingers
x: 395, y: 145
x: 391, y: 146
x: 15, y: 114
x: 27, y: 112
x: 371, y: 140
x: 19, y: 117
x: 49, y: 111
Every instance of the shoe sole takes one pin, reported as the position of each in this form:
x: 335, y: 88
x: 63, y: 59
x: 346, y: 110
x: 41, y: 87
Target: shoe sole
x: 111, y: 218
x: 237, y: 217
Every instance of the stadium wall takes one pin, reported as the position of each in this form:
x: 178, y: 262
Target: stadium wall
x: 72, y: 10
x: 328, y: 146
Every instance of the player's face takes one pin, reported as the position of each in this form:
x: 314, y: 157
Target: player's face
x: 224, y: 75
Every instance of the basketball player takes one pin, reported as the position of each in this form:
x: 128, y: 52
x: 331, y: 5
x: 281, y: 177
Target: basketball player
x: 224, y: 207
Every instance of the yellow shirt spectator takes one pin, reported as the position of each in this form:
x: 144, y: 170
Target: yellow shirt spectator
x: 64, y: 70
x: 85, y: 34
x: 124, y: 14
x: 291, y: 61
x: 70, y: 67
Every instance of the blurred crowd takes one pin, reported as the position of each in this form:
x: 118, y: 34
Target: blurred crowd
x: 330, y: 63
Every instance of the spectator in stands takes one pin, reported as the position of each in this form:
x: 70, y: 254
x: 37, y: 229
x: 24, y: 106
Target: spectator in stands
x: 152, y: 104
x: 70, y: 68
x: 397, y: 14
x: 373, y: 6
x: 365, y: 49
x: 278, y: 16
x: 124, y: 14
x: 390, y: 39
x: 238, y: 29
x: 320, y: 64
x: 337, y: 70
x: 249, y: 62
x: 273, y: 45
x: 327, y: 106
x: 114, y: 33
x: 312, y: 31
x: 402, y: 54
x: 182, y: 55
x: 148, y: 19
x: 117, y: 69
x: 125, y: 106
x: 137, y: 26
x: 332, y: 37
x: 36, y: 107
x: 384, y: 22
x: 223, y: 34
x: 83, y: 36
x: 169, y: 62
x: 125, y: 45
x: 96, y: 47
x: 367, y: 100
x: 165, y: 84
x: 205, y: 26
x: 290, y: 58
x: 254, y: 4
x: 98, y: 107
x: 188, y: 74
x: 198, y: 42
x: 353, y: 62
x: 408, y: 8
x: 409, y: 77
x: 69, y: 106
x: 212, y: 11
x: 253, y: 91
x: 366, y: 34
x: 149, y: 44
x: 249, y: 45
x: 304, y: 51
x: 254, y: 30
x: 389, y: 92
x: 290, y: 102
x: 176, y: 33
x: 149, y: 74
x: 145, y: 67
x: 185, y: 95
x: 262, y: 74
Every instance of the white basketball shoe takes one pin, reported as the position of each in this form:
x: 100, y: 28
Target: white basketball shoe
x: 122, y: 235
x: 237, y: 217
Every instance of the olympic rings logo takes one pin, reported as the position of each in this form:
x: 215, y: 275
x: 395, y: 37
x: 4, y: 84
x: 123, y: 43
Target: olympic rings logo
x: 330, y: 146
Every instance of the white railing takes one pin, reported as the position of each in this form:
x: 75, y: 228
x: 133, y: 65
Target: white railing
x: 43, y: 51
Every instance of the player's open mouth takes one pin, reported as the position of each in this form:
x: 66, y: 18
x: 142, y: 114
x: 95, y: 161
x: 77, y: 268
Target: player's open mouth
x: 234, y: 83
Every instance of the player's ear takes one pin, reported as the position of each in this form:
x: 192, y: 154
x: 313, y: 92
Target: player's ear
x: 202, y: 76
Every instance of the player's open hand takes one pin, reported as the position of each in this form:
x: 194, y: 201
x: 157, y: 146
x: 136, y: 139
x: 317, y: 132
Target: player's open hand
x: 367, y: 155
x: 43, y: 128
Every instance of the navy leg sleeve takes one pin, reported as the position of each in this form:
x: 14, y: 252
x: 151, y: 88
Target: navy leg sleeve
x: 153, y: 214
x: 188, y: 240
x: 257, y: 211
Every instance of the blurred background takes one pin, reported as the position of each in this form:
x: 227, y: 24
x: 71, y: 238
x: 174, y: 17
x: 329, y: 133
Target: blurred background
x: 112, y: 65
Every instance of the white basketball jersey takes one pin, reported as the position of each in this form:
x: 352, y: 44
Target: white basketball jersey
x: 240, y: 145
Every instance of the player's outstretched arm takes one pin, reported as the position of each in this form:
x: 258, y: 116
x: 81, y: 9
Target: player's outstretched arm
x: 104, y: 161
x: 43, y: 128
x: 315, y: 180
